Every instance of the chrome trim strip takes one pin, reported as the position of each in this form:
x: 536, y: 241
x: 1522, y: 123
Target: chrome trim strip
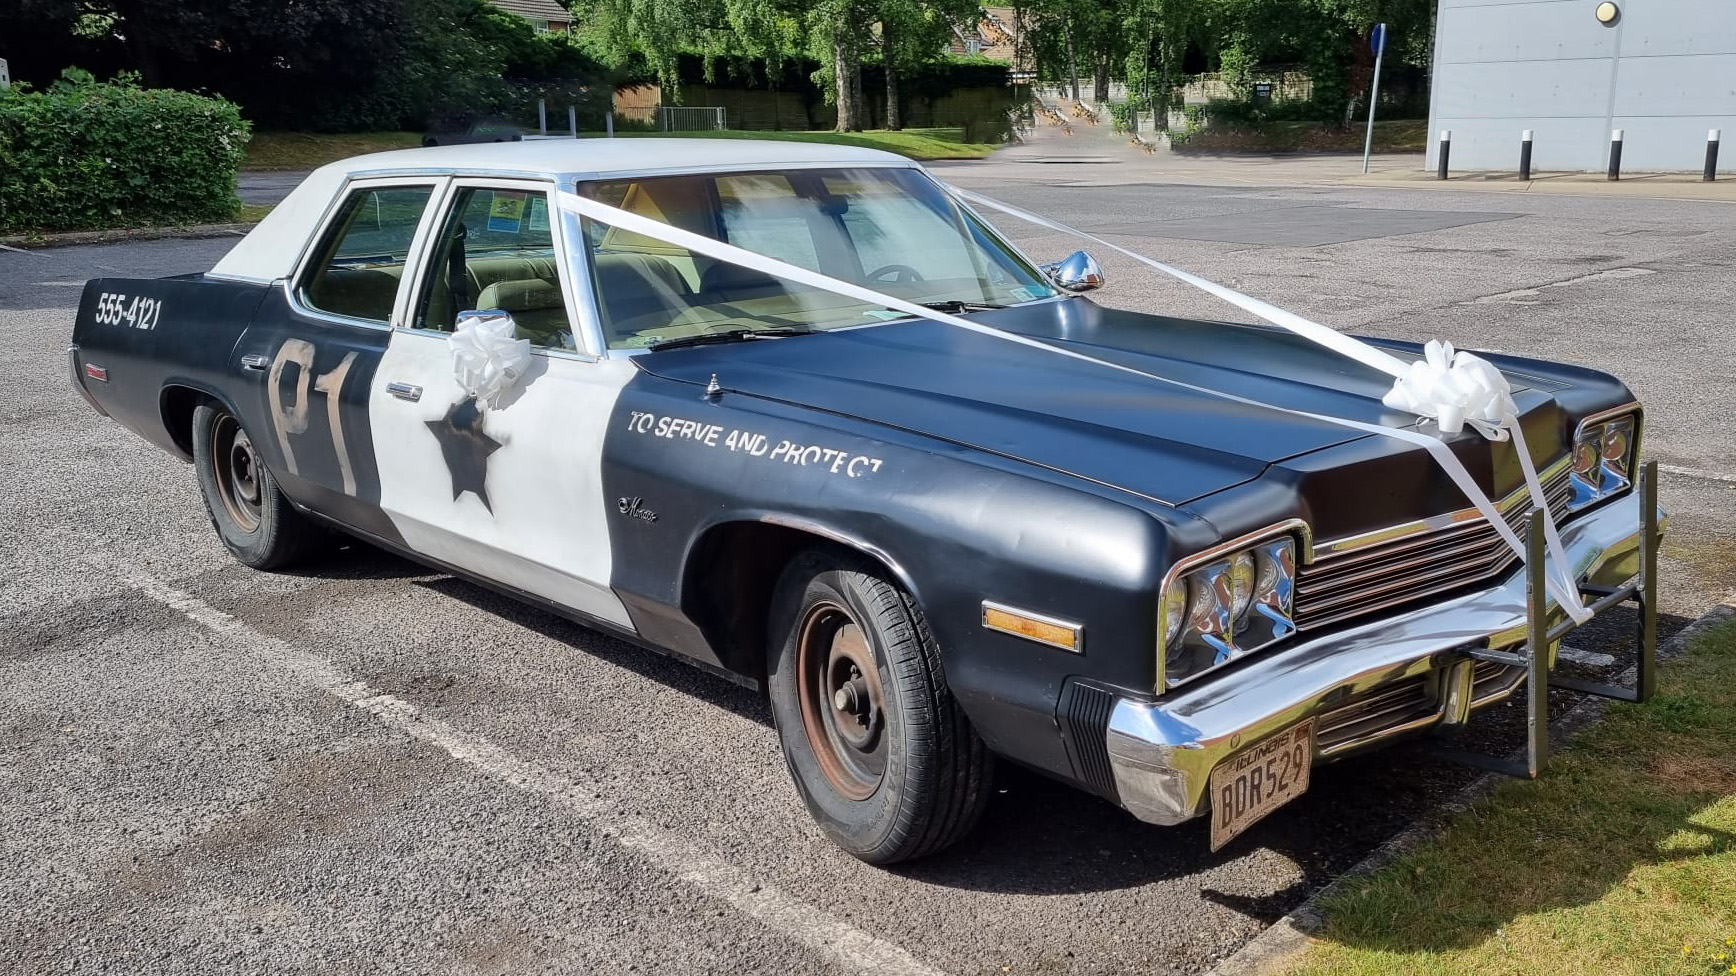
x: 1349, y: 543
x: 1162, y: 751
x: 1632, y: 406
x: 1078, y: 629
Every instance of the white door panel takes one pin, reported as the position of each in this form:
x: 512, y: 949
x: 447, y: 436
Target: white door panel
x: 543, y: 529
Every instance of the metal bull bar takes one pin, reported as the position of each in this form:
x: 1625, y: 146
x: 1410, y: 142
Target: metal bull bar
x: 1537, y: 655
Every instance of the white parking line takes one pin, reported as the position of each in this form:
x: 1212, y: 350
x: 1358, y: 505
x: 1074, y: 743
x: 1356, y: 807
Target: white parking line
x: 786, y: 915
x: 1697, y: 473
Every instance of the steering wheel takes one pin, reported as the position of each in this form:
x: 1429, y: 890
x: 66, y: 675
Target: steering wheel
x: 899, y: 273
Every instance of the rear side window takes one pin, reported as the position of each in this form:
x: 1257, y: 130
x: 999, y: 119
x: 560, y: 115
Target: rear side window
x: 362, y: 258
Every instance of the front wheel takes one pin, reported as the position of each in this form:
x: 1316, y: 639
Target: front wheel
x: 886, y: 760
x: 247, y: 509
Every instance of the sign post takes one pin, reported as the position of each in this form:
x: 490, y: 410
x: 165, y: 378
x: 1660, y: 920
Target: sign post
x: 1377, y: 41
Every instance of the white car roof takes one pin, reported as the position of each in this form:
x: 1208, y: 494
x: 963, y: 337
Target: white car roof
x: 269, y: 251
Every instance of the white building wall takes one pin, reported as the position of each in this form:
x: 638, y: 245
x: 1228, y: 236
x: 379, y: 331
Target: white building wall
x: 1665, y: 73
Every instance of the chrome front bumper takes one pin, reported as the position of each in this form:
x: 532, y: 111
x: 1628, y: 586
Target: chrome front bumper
x: 1162, y: 753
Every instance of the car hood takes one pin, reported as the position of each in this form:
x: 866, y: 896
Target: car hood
x: 1167, y: 443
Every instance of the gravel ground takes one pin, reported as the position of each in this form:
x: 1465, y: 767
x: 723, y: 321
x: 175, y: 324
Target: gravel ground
x: 368, y: 767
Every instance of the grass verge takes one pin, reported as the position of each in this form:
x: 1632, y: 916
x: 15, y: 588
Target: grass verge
x: 1402, y: 135
x: 306, y: 150
x: 1620, y: 860
x: 252, y: 213
x: 922, y: 144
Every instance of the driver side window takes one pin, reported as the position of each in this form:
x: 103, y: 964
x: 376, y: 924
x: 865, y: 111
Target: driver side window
x: 496, y: 251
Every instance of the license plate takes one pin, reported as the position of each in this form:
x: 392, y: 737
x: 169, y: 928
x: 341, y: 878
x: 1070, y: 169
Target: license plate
x: 1260, y: 779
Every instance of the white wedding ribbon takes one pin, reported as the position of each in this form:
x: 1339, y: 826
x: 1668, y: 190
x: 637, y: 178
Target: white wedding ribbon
x: 1451, y: 389
x: 1560, y: 586
x: 487, y: 359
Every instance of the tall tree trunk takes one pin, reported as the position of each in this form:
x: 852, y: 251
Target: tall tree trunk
x: 1072, y: 62
x: 1100, y: 81
x: 889, y: 58
x: 847, y: 64
x: 140, y: 46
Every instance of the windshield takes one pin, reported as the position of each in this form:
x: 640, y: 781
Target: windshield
x: 892, y: 230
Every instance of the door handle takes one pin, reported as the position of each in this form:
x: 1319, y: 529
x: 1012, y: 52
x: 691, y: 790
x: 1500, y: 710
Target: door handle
x: 405, y: 391
x: 255, y: 361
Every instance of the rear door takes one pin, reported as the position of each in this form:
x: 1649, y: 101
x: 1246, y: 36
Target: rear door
x: 513, y: 491
x: 314, y: 346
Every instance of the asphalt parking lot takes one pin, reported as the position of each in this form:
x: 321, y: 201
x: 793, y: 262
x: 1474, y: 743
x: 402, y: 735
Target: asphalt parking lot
x: 367, y: 767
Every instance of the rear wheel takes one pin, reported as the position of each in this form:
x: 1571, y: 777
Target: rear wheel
x: 884, y: 757
x: 247, y: 509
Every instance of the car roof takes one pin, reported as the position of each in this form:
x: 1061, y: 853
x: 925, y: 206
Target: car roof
x: 591, y: 158
x: 269, y: 251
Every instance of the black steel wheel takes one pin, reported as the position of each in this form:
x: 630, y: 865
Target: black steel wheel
x: 883, y: 755
x: 248, y: 510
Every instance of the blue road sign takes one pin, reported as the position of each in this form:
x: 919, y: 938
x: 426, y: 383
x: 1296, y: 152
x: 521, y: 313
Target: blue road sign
x: 1377, y: 40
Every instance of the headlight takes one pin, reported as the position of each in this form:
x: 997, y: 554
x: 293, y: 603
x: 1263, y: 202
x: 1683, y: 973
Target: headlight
x: 1603, y: 459
x: 1219, y: 607
x: 1174, y: 611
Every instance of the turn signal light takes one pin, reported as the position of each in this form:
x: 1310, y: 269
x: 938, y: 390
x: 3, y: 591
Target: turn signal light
x: 1044, y: 630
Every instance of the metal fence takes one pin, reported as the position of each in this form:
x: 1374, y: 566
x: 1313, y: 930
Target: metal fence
x: 687, y: 118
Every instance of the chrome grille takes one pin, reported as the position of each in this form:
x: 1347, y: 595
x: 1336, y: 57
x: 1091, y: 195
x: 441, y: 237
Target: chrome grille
x: 1383, y: 711
x: 1491, y: 680
x: 1402, y: 565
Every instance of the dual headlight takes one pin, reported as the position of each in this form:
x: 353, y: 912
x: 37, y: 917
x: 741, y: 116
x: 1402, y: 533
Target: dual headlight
x: 1218, y: 609
x: 1603, y: 459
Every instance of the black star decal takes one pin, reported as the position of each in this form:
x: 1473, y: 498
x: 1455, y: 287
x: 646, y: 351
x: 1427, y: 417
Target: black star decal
x: 466, y: 449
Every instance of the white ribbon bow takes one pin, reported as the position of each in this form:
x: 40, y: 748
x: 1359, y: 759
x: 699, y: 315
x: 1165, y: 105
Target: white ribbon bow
x: 486, y: 359
x: 1455, y: 388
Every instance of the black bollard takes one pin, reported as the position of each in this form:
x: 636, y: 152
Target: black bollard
x: 1615, y: 155
x: 1446, y: 148
x: 1711, y: 172
x: 1525, y: 155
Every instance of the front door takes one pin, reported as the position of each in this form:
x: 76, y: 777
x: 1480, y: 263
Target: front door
x: 510, y: 491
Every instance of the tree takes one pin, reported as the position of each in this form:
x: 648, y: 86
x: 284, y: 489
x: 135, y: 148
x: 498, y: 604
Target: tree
x: 333, y: 65
x: 915, y: 33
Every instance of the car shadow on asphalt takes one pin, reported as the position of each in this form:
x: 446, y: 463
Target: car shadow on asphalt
x: 1040, y: 836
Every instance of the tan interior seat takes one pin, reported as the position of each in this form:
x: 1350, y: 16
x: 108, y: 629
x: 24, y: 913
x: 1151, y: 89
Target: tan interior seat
x: 538, y: 311
x: 364, y: 293
x: 632, y: 286
x: 734, y: 283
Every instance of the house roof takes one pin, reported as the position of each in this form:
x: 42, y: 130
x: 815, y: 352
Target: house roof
x: 547, y: 10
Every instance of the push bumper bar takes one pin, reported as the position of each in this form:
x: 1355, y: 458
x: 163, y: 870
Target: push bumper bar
x: 1162, y: 752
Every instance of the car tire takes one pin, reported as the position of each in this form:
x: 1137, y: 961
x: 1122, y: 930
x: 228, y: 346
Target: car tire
x: 248, y: 510
x: 883, y: 755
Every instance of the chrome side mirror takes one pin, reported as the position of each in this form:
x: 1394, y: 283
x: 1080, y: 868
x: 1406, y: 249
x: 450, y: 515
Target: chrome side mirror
x: 1076, y: 273
x: 480, y: 316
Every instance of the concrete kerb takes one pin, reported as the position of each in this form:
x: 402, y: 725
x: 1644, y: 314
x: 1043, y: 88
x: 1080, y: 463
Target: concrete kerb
x: 1657, y: 186
x: 1286, y: 939
x: 25, y: 242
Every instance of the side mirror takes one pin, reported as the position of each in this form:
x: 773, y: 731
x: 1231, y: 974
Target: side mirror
x: 483, y: 316
x: 1076, y: 273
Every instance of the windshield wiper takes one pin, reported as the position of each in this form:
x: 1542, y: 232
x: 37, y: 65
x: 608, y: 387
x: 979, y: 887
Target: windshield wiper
x: 954, y: 306
x: 735, y: 335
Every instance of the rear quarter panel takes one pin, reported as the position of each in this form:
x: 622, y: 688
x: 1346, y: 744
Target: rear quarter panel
x: 187, y: 339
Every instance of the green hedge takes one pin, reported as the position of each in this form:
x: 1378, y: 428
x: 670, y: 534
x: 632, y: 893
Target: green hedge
x: 87, y: 155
